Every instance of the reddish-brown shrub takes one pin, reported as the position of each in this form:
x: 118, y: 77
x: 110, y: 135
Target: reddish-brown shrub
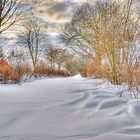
x: 7, y: 73
x: 130, y: 75
x: 42, y: 69
x: 23, y: 70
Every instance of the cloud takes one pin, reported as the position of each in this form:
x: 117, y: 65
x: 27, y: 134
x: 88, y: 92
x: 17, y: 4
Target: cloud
x: 56, y: 11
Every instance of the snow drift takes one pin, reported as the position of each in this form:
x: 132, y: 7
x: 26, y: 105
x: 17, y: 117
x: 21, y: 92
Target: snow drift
x: 67, y: 109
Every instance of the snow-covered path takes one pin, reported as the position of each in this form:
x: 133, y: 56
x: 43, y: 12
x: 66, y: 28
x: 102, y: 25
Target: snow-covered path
x: 67, y: 109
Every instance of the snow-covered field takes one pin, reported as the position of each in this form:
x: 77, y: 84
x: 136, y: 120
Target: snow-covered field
x: 67, y: 109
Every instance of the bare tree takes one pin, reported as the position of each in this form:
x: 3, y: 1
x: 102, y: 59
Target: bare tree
x: 10, y: 13
x: 33, y: 36
x: 13, y: 11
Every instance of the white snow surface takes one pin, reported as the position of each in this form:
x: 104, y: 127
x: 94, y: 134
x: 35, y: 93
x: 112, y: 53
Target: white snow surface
x: 72, y: 108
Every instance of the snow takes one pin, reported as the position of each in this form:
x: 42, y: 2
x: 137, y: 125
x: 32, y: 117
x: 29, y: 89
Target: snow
x: 71, y: 108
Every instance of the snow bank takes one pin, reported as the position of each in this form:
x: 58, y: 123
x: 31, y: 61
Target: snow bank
x: 71, y: 108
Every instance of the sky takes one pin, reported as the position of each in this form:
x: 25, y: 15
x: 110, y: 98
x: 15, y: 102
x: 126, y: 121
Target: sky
x: 57, y: 13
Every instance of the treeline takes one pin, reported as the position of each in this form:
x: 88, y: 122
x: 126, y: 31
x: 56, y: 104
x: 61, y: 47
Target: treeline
x: 106, y: 34
x: 19, y: 67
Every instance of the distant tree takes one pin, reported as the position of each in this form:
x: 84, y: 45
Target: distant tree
x: 56, y: 56
x: 73, y: 64
x: 51, y: 55
x: 61, y: 57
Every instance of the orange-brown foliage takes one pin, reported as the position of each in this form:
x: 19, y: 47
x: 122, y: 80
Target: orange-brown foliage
x: 91, y: 69
x: 44, y: 70
x: 131, y: 76
x: 7, y: 73
x: 24, y: 69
